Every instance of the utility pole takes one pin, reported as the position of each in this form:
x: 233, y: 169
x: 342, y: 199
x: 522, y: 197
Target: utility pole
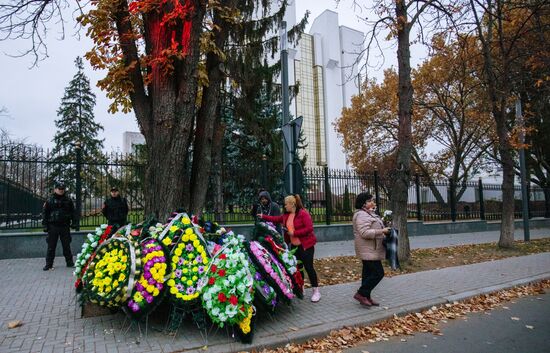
x: 523, y: 173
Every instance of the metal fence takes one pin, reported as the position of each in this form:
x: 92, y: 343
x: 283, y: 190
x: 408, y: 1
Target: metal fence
x: 26, y: 180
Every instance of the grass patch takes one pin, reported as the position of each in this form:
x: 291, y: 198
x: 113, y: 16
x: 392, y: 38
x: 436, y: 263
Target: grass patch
x: 344, y: 269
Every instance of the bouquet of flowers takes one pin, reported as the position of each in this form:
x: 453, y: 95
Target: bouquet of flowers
x: 88, y: 252
x: 110, y: 276
x: 387, y: 218
x: 229, y: 286
x: 189, y: 261
x: 150, y: 286
x: 271, y: 269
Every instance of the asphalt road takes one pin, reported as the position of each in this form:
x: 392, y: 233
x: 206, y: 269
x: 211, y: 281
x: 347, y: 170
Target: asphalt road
x: 492, y: 331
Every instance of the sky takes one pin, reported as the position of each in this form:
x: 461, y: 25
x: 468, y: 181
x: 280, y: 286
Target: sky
x: 32, y: 95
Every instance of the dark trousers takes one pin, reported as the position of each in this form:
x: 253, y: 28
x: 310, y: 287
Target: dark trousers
x: 306, y: 257
x: 372, y: 274
x: 58, y: 232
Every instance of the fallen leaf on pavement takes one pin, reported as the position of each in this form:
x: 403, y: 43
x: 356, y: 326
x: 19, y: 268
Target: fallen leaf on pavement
x: 529, y: 327
x: 515, y: 318
x: 14, y: 324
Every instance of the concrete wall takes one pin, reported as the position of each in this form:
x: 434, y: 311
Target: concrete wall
x: 27, y: 245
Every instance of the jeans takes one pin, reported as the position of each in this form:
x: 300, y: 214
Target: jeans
x: 372, y: 274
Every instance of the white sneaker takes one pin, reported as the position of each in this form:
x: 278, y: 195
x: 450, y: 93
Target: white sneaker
x: 316, y: 296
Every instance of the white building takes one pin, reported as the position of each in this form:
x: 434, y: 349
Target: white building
x: 131, y: 139
x: 325, y: 69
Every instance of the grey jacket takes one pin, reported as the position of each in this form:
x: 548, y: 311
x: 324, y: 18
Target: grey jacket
x: 368, y: 232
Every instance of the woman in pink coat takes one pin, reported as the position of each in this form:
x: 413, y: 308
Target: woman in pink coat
x: 369, y: 232
x: 299, y: 233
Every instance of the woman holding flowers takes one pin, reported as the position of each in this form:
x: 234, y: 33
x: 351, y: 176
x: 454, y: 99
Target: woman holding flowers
x: 299, y: 233
x: 369, y: 232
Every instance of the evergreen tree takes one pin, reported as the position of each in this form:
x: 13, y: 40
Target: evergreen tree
x: 76, y: 127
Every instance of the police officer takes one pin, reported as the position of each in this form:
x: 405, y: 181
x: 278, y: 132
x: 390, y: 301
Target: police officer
x: 115, y: 208
x: 58, y: 213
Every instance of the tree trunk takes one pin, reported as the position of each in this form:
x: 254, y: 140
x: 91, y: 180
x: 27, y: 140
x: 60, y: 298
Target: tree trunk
x: 546, y: 202
x: 507, y: 226
x: 401, y: 181
x: 204, y: 133
x: 165, y: 111
x: 217, y: 168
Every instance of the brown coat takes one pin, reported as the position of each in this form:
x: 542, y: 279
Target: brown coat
x: 368, y: 232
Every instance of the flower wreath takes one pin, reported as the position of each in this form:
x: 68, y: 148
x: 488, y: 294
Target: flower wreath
x: 87, y: 253
x: 265, y: 294
x: 189, y: 260
x: 263, y: 229
x: 110, y: 277
x: 229, y: 286
x: 171, y: 234
x: 290, y: 263
x: 149, y: 289
x: 271, y: 269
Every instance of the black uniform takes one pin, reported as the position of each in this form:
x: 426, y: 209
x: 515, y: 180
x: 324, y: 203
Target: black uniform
x: 58, y: 214
x: 115, y: 209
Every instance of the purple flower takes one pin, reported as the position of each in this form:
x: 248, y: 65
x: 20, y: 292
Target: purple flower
x: 150, y: 263
x: 147, y: 275
x: 178, y: 273
x: 189, y: 247
x: 180, y: 261
x: 162, y: 259
x: 274, y: 302
x: 258, y: 276
x: 266, y: 289
x: 201, y: 270
x: 179, y: 286
x: 199, y: 259
x: 190, y: 290
x: 151, y: 281
x: 149, y: 299
x: 139, y: 287
x: 156, y: 259
x: 159, y: 286
x: 135, y: 307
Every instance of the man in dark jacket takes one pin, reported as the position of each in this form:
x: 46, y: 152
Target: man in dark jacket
x: 58, y: 213
x: 267, y: 207
x: 115, y: 208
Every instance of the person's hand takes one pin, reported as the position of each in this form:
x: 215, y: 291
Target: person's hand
x: 387, y: 231
x: 259, y: 215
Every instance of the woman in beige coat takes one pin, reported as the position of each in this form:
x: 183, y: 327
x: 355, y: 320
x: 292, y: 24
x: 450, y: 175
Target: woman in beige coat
x: 369, y: 231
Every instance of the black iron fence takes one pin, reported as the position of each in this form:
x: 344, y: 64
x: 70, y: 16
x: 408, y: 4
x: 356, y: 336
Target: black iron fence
x: 26, y: 180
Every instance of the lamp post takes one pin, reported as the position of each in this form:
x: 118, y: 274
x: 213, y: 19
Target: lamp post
x: 287, y: 142
x: 78, y: 191
x: 523, y: 173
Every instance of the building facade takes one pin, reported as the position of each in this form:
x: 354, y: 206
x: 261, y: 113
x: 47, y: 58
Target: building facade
x: 325, y: 71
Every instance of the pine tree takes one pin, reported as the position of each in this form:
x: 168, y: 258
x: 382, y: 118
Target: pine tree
x: 76, y: 126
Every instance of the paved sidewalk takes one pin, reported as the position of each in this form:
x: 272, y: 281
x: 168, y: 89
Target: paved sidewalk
x: 345, y: 248
x: 44, y: 301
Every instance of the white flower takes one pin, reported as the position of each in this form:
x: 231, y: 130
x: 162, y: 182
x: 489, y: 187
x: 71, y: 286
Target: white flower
x: 231, y: 278
x: 231, y: 310
x: 247, y: 297
x: 241, y: 287
x: 90, y: 237
x: 87, y: 256
x: 387, y: 213
x: 208, y: 304
x: 94, y: 244
x: 222, y: 317
x: 103, y: 226
x: 216, y: 311
x: 207, y: 296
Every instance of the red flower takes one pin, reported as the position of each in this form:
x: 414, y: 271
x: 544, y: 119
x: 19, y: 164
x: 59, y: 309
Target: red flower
x: 221, y: 273
x: 223, y: 257
x: 222, y: 298
x: 242, y: 308
x: 213, y: 268
x: 233, y: 300
x: 211, y: 281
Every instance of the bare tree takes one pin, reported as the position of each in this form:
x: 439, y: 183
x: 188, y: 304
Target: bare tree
x: 398, y: 19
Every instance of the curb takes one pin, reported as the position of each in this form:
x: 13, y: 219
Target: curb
x: 322, y: 330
